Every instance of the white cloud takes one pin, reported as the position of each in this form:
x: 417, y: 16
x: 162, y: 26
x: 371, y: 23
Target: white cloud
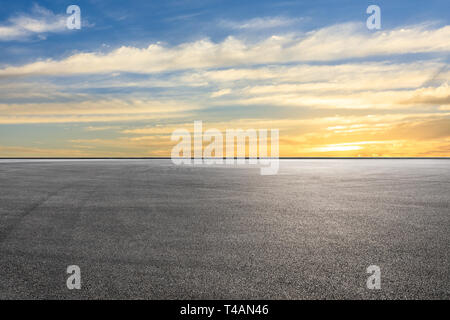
x: 261, y: 23
x: 347, y: 77
x: 94, y: 111
x: 394, y: 100
x: 365, y: 86
x: 220, y: 93
x: 39, y: 22
x: 328, y: 44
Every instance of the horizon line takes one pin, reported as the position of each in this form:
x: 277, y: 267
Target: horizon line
x: 224, y: 158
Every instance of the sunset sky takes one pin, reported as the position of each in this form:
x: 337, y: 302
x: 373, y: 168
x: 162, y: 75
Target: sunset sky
x: 138, y: 70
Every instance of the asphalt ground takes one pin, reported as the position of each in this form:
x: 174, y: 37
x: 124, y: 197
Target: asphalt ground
x: 147, y: 229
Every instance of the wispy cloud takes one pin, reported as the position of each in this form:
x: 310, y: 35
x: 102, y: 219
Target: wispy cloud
x: 220, y: 93
x: 39, y: 21
x: 93, y: 110
x: 101, y: 128
x: 327, y: 44
x: 336, y: 90
x: 36, y: 24
x: 261, y: 23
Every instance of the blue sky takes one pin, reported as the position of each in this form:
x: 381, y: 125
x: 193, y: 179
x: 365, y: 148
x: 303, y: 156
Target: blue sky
x: 137, y: 23
x: 305, y: 66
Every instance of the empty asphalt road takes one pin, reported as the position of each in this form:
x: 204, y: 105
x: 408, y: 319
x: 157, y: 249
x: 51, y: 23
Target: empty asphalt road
x: 147, y: 229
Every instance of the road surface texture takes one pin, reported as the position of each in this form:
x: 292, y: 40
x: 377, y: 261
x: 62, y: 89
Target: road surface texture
x: 147, y: 229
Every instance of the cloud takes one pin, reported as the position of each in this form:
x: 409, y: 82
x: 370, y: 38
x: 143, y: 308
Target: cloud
x: 220, y: 93
x: 297, y: 90
x: 430, y: 95
x: 345, y: 76
x: 93, y: 111
x: 309, y: 85
x: 330, y: 97
x: 396, y: 136
x: 333, y: 43
x: 20, y: 151
x: 422, y: 130
x: 39, y: 22
x: 101, y: 128
x: 261, y: 23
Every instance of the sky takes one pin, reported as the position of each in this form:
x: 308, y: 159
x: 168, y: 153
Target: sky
x: 138, y: 70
